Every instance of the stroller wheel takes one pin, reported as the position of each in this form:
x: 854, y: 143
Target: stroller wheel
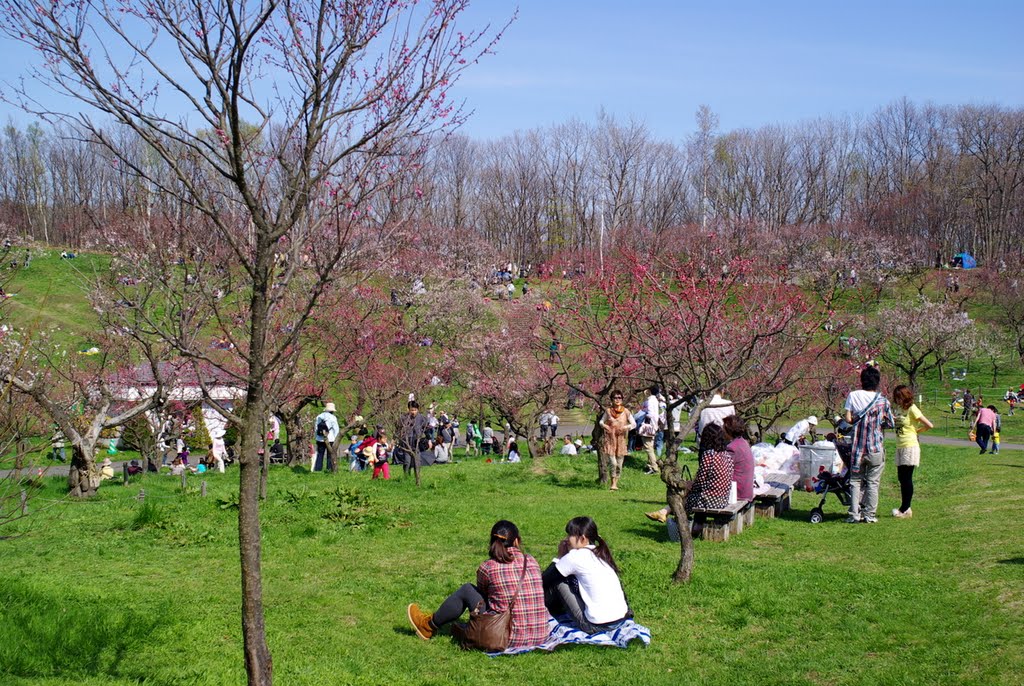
x: 817, y: 516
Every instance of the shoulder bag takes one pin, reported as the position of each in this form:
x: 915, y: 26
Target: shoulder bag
x: 647, y: 429
x: 492, y: 631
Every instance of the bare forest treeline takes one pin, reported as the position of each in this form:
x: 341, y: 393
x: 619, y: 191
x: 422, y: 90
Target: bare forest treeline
x: 934, y: 178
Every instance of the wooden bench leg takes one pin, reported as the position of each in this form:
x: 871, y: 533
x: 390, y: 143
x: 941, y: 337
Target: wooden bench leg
x: 716, y: 531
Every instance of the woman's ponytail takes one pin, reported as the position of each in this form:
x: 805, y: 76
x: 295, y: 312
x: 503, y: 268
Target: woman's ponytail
x: 585, y: 526
x: 504, y: 535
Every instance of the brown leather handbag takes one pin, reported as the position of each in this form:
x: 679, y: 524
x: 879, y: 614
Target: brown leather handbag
x: 492, y: 631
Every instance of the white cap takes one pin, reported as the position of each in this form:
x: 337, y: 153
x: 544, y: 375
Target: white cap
x: 812, y: 420
x: 329, y: 407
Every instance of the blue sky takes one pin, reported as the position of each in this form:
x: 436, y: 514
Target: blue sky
x: 753, y: 63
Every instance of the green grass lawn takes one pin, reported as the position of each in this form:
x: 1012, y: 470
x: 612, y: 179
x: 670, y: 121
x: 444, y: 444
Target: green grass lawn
x: 106, y: 592
x: 51, y: 293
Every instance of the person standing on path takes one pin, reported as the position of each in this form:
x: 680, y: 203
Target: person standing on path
x: 869, y: 411
x: 984, y: 426
x: 910, y: 422
x: 616, y: 424
x: 325, y: 430
x: 652, y: 416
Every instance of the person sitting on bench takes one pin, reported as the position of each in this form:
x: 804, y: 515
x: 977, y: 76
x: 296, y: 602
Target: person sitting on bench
x: 710, y: 490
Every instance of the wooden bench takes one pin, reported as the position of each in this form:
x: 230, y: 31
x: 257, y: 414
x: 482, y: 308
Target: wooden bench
x: 772, y: 503
x: 719, y: 524
x: 784, y: 481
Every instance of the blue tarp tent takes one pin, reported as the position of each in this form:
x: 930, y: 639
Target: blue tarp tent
x: 965, y: 260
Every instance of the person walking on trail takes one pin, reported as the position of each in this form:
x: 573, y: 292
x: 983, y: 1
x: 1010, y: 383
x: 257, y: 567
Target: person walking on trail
x: 616, y: 423
x: 984, y: 427
x: 869, y: 412
x: 545, y: 424
x: 325, y: 430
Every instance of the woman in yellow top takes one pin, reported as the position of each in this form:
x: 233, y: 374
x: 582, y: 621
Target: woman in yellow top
x: 910, y: 421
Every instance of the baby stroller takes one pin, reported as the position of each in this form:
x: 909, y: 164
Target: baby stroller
x: 825, y: 481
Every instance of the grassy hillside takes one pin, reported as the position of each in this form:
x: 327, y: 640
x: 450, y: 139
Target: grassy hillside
x: 51, y: 292
x: 113, y: 592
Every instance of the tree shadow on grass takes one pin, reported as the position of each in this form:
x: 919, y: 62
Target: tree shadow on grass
x: 658, y: 503
x: 654, y: 532
x: 573, y: 481
x: 43, y: 634
x: 1003, y: 464
x: 1012, y: 561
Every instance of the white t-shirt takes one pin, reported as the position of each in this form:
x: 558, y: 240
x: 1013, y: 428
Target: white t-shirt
x: 858, y: 400
x: 599, y: 585
x: 652, y: 407
x: 568, y: 449
x: 677, y: 413
x: 798, y: 430
x: 715, y: 412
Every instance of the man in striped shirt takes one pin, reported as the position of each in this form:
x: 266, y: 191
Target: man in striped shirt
x: 869, y: 412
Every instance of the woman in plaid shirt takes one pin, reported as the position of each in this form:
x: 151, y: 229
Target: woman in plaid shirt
x: 496, y: 582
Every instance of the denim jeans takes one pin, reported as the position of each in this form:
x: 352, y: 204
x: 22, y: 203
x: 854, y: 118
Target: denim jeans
x: 864, y: 480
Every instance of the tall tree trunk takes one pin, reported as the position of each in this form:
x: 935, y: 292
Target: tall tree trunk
x: 602, y: 465
x: 82, y: 478
x: 676, y: 490
x: 258, y: 663
x: 264, y: 468
x: 293, y: 436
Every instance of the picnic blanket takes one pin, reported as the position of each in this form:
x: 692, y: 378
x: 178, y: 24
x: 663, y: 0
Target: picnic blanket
x: 564, y: 631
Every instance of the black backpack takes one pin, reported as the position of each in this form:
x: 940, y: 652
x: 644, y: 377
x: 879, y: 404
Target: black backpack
x: 322, y: 430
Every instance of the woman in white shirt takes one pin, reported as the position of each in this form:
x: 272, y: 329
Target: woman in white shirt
x: 583, y: 580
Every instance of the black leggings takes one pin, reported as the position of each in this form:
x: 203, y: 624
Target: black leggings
x: 905, y: 474
x: 467, y: 597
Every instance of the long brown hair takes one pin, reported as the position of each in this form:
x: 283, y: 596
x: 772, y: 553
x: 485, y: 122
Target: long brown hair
x: 585, y: 526
x: 903, y: 396
x: 504, y: 537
